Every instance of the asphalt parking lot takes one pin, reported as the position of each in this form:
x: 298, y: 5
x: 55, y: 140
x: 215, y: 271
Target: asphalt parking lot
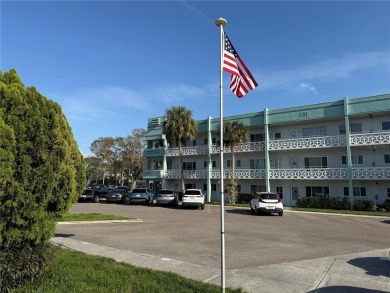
x: 192, y: 236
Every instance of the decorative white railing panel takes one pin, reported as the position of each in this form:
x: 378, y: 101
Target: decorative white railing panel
x: 202, y: 174
x: 370, y: 138
x: 380, y: 138
x: 378, y: 173
x: 310, y: 142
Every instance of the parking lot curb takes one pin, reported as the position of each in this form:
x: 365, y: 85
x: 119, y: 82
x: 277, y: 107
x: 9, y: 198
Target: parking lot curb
x: 99, y: 222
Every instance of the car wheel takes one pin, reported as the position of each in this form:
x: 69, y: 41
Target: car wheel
x: 257, y: 211
x: 252, y: 210
x: 96, y: 199
x: 202, y: 206
x: 281, y: 213
x: 182, y: 206
x: 130, y: 203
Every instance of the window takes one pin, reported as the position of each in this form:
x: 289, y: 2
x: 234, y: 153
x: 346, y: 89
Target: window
x: 256, y: 164
x: 314, y: 131
x: 214, y: 140
x: 357, y: 191
x: 190, y: 186
x: 387, y: 158
x: 322, y: 191
x: 277, y: 135
x: 356, y: 160
x: 278, y: 163
x: 353, y: 128
x: 189, y: 165
x: 316, y: 162
x: 279, y: 190
x: 386, y: 125
x: 213, y: 187
x: 169, y: 164
x: 388, y: 192
x: 257, y: 137
x: 229, y: 163
x: 238, y: 188
x: 194, y: 142
x: 257, y: 188
x: 213, y: 164
x: 205, y: 141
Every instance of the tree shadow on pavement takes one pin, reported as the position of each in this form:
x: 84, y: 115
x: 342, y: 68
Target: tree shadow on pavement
x: 63, y: 235
x: 386, y: 221
x: 238, y: 211
x: 344, y: 289
x: 374, y: 266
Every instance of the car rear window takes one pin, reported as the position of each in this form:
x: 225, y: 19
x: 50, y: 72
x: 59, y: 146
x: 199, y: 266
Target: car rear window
x: 166, y: 192
x: 139, y: 190
x: 192, y: 192
x: 269, y: 196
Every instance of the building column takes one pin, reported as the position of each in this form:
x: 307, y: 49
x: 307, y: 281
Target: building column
x: 209, y: 160
x: 349, y: 155
x: 266, y: 154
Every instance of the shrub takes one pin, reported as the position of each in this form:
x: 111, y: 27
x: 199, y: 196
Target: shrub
x: 364, y: 205
x: 244, y: 197
x: 317, y: 202
x: 41, y: 174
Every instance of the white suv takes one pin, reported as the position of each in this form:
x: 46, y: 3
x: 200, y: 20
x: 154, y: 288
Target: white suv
x: 193, y: 197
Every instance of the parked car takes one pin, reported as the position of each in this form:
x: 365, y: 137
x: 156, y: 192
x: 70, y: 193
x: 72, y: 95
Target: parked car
x: 267, y: 202
x: 141, y: 195
x: 193, y: 197
x: 94, y: 193
x: 119, y: 195
x: 167, y: 196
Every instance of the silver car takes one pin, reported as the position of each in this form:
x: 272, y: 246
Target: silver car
x: 167, y: 196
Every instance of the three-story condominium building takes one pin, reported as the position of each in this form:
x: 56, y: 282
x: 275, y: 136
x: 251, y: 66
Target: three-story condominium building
x: 337, y: 149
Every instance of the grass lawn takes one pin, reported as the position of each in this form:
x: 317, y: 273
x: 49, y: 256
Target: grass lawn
x: 91, y: 217
x: 73, y: 271
x: 348, y: 212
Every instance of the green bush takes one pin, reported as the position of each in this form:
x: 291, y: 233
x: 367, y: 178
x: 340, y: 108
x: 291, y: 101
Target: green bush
x: 244, y: 197
x: 19, y: 265
x: 364, y: 205
x: 41, y: 174
x: 317, y: 202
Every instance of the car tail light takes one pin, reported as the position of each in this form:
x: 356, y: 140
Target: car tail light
x: 279, y: 199
x: 260, y: 198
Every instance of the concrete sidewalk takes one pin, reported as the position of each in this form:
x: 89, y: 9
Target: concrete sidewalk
x: 359, y: 272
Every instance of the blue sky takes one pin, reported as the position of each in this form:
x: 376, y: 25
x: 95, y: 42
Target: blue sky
x: 111, y: 65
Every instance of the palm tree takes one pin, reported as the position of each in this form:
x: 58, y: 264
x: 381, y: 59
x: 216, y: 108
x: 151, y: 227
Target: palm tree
x: 234, y: 132
x: 178, y: 127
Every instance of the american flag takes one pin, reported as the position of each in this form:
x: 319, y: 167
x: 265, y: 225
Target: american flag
x: 241, y: 81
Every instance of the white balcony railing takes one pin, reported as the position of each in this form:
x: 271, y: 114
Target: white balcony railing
x: 369, y: 173
x: 357, y: 139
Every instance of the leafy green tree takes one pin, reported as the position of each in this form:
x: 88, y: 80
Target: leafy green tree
x: 234, y: 132
x: 42, y: 173
x: 178, y: 127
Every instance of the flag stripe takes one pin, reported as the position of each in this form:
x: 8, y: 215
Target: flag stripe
x: 242, y: 80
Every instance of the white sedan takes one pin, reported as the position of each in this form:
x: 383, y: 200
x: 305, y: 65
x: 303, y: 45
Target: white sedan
x: 267, y: 202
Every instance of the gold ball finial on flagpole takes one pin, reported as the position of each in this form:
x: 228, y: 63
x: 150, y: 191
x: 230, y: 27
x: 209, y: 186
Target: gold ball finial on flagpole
x: 220, y: 21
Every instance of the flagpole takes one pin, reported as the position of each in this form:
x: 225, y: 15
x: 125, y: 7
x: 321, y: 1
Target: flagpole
x: 221, y: 23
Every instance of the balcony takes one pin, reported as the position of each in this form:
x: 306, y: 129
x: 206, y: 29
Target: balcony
x: 369, y: 173
x: 152, y: 174
x: 151, y: 153
x: 357, y: 139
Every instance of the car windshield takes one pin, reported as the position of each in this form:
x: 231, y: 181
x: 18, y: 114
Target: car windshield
x: 192, y: 192
x: 269, y: 196
x: 139, y: 190
x: 166, y: 192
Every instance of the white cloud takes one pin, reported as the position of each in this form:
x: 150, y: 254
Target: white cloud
x: 303, y: 86
x: 328, y: 70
